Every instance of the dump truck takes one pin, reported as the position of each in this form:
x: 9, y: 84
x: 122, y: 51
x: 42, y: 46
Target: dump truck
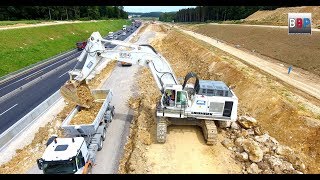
x: 76, y: 152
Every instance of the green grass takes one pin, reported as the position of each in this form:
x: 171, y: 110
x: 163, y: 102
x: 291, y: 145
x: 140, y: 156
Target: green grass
x: 5, y: 23
x: 22, y: 47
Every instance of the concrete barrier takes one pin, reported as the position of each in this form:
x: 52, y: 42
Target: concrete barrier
x: 26, y: 121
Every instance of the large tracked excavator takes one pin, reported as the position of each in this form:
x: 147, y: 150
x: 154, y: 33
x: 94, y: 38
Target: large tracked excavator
x: 200, y: 103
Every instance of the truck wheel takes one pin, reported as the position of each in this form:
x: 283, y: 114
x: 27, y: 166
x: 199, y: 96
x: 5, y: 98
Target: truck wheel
x: 104, y: 134
x: 100, y: 145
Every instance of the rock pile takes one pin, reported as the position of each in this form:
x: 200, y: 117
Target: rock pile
x: 259, y: 152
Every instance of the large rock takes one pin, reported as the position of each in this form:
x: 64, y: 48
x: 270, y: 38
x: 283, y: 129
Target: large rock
x: 253, y: 149
x: 242, y: 156
x: 227, y: 143
x: 247, y: 122
x: 239, y: 141
x: 254, y: 169
x: 234, y: 125
x: 284, y: 150
x: 224, y: 124
x: 262, y: 139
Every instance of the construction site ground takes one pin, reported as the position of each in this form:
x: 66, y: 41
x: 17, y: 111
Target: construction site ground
x: 273, y: 43
x: 287, y: 117
x: 280, y: 113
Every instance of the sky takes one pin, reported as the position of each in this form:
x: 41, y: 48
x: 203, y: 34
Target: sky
x: 144, y: 9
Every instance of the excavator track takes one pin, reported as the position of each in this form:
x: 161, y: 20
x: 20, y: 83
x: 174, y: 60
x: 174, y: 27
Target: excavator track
x: 210, y: 131
x: 161, y: 129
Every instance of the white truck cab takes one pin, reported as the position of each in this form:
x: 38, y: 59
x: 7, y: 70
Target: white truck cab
x: 64, y: 156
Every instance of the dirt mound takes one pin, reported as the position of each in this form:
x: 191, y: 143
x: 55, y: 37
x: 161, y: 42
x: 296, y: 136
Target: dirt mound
x: 86, y: 116
x: 279, y: 16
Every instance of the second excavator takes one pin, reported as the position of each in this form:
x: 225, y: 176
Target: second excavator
x: 201, y: 103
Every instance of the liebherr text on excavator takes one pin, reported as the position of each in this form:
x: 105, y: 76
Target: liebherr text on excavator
x: 200, y: 103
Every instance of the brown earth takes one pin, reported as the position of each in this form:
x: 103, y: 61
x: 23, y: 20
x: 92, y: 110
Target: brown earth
x: 273, y: 105
x: 84, y: 94
x: 279, y: 16
x: 299, y: 51
x: 85, y: 115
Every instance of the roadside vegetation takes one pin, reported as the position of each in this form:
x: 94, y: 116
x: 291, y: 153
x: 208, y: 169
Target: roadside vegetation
x: 24, y: 47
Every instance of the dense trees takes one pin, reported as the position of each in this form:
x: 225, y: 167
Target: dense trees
x: 61, y: 12
x: 213, y: 13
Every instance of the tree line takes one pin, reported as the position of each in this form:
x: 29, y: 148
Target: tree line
x: 13, y: 13
x: 212, y: 13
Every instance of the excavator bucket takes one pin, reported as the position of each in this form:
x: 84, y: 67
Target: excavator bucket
x: 78, y: 94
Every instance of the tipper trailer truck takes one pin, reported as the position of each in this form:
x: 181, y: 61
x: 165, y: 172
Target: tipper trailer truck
x: 76, y: 153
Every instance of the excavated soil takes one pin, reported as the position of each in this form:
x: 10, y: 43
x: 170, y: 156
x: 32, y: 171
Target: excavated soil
x: 84, y: 94
x: 299, y: 51
x: 279, y: 16
x: 26, y: 157
x: 85, y: 115
x: 274, y: 106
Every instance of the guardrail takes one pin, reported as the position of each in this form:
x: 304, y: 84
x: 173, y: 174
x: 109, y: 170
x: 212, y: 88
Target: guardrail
x: 32, y: 66
x: 9, y: 135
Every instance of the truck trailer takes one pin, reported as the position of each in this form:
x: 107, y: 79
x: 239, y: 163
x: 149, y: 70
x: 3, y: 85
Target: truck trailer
x: 76, y: 152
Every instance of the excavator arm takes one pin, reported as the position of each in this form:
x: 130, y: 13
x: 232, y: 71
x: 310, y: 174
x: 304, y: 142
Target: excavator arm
x: 144, y: 55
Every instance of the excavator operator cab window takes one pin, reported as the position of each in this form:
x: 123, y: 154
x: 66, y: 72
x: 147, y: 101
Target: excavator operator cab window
x: 181, y: 98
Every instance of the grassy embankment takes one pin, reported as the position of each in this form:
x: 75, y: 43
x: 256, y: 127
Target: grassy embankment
x: 22, y: 47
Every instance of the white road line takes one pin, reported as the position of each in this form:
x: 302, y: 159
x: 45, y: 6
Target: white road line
x: 8, y: 109
x: 35, y: 72
x: 63, y: 74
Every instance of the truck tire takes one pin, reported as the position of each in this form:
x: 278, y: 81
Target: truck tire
x: 104, y: 134
x: 100, y: 145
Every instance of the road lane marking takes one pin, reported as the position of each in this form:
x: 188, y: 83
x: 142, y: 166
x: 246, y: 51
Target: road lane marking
x: 63, y: 74
x: 8, y: 109
x: 35, y: 72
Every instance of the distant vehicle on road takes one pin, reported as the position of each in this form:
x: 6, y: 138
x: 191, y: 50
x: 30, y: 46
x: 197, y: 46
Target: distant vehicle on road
x: 110, y: 35
x: 81, y: 45
x: 125, y: 64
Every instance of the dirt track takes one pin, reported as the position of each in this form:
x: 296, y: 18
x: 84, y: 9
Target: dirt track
x: 301, y: 51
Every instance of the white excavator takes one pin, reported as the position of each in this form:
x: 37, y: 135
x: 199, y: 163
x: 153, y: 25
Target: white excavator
x: 201, y: 103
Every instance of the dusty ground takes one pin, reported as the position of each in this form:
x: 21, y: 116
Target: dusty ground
x: 299, y: 51
x: 25, y: 157
x: 279, y: 16
x: 276, y: 108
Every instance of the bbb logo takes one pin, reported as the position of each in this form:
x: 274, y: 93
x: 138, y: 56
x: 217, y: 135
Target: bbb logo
x: 299, y: 23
